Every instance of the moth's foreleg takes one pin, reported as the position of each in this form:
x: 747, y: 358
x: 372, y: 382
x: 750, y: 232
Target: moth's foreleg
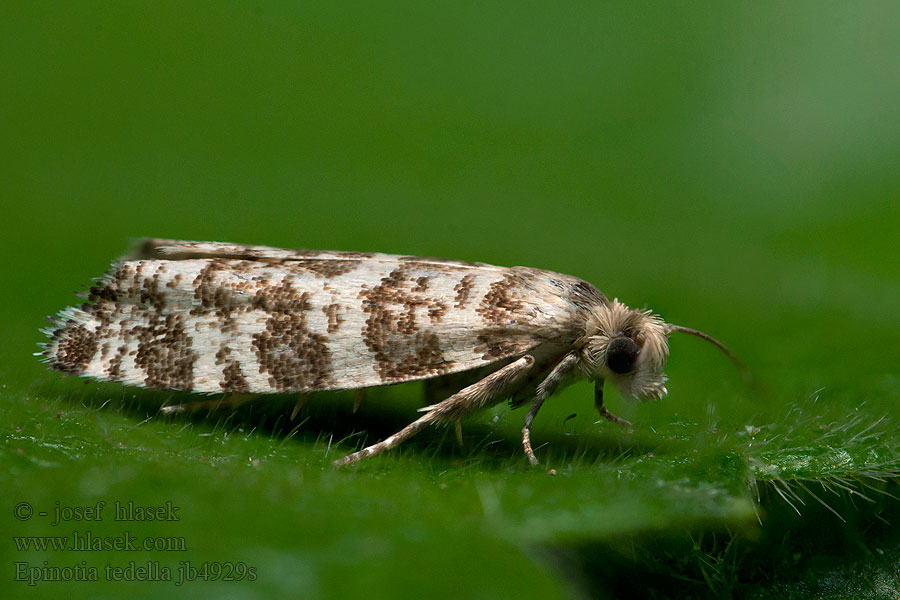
x: 233, y: 401
x: 544, y: 390
x: 601, y: 408
x: 468, y: 400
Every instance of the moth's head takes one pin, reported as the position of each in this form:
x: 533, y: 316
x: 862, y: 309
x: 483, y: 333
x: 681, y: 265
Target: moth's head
x: 628, y: 347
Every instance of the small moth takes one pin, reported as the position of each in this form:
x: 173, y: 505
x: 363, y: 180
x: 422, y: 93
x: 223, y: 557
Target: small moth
x: 213, y: 317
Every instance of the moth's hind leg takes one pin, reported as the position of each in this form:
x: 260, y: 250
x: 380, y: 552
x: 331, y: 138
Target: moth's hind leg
x: 481, y: 394
x: 359, y: 396
x: 233, y: 401
x: 298, y: 406
x: 440, y: 388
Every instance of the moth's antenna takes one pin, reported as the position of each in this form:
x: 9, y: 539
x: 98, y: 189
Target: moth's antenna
x: 745, y: 372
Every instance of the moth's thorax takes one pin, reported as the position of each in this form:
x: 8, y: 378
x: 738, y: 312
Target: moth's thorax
x: 615, y: 327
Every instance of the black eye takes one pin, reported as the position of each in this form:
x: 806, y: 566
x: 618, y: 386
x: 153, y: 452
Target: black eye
x: 621, y: 354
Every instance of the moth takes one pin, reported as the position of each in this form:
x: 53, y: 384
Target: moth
x: 212, y: 317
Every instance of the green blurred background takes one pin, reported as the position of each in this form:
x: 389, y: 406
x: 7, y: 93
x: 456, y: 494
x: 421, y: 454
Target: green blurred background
x: 734, y: 166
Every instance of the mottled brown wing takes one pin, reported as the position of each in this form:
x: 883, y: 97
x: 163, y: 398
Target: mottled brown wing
x: 211, y: 317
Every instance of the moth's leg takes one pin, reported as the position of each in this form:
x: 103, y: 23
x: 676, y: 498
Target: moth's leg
x: 459, y: 432
x: 441, y: 388
x: 233, y: 401
x: 358, y: 397
x: 598, y: 402
x: 301, y: 401
x: 544, y: 390
x: 468, y: 400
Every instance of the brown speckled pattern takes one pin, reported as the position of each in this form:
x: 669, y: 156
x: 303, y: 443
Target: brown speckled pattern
x: 501, y: 304
x: 75, y: 348
x: 397, y: 330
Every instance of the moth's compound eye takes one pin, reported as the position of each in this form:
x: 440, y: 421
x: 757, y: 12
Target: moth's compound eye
x: 621, y: 354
